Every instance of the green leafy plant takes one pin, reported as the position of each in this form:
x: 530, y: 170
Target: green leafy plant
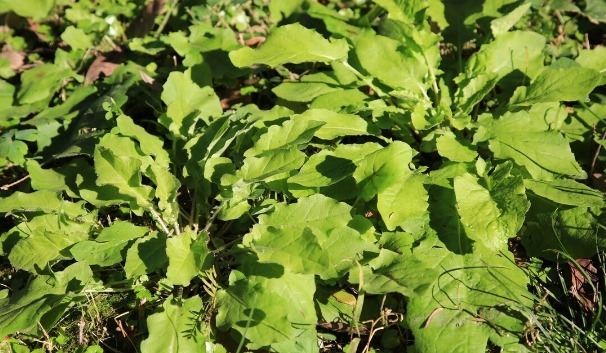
x: 300, y: 176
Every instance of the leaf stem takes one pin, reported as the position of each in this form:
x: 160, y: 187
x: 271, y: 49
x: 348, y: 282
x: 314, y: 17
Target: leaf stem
x: 165, y: 19
x: 366, y: 80
x: 159, y: 219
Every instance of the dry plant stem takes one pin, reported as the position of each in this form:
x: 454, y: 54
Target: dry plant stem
x: 597, y: 152
x: 8, y: 186
x: 159, y: 220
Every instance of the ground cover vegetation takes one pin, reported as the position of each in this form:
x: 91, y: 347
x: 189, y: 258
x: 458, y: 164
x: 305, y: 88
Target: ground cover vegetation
x: 302, y: 176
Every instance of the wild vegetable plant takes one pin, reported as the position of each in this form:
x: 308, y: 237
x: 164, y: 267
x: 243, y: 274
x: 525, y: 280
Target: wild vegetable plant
x: 295, y: 176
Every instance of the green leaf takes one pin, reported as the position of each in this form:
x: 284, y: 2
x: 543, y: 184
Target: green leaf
x: 275, y: 164
x: 40, y: 83
x: 298, y: 251
x: 298, y: 292
x: 187, y: 256
x: 554, y: 85
x: 518, y: 50
x: 382, y: 169
x: 596, y: 10
x: 109, y: 247
x: 6, y: 94
x: 408, y: 191
x: 544, y: 153
x: 566, y: 192
x: 46, y: 201
x: 383, y: 58
x: 329, y: 167
x: 455, y: 149
x: 302, y: 91
x: 124, y: 173
x: 474, y: 89
x: 36, y: 251
x: 484, y: 284
x: 76, y: 38
x: 393, y: 272
x: 146, y: 255
x: 316, y: 235
x: 13, y: 150
x: 150, y: 144
x: 491, y: 215
x: 594, y: 59
x: 257, y: 313
x: 294, y: 44
x: 24, y: 310
x: 336, y: 124
x: 505, y: 23
x: 279, y: 9
x: 36, y: 9
x: 183, y: 96
x: 176, y: 328
x: 572, y: 230
x: 292, y: 134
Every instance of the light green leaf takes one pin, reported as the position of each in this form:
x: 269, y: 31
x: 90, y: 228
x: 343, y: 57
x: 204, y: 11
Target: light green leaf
x: 518, y: 50
x: 76, y: 38
x: 183, y: 96
x: 124, y: 173
x: 338, y: 99
x: 383, y: 168
x: 594, y: 59
x: 109, y: 247
x: 491, y: 217
x: 383, y: 58
x: 36, y: 9
x: 505, y: 23
x: 187, y: 254
x: 294, y: 44
x: 393, y: 272
x: 40, y: 83
x: 292, y: 134
x: 146, y: 255
x: 257, y: 313
x: 279, y: 9
x: 296, y: 250
x: 554, y: 85
x: 566, y: 192
x: 318, y: 212
x: 473, y: 90
x: 483, y: 283
x: 46, y: 201
x: 302, y: 91
x: 545, y: 154
x: 176, y: 327
x: 167, y: 186
x: 596, y: 10
x: 326, y: 168
x: 6, y: 94
x: 276, y: 163
x: 42, y: 247
x: 149, y: 144
x: 455, y: 149
x: 298, y: 292
x: 336, y: 124
x: 404, y: 204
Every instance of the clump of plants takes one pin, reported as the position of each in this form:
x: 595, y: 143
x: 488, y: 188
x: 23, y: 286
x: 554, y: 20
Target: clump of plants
x: 302, y: 176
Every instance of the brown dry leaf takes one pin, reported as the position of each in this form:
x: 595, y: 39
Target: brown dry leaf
x: 16, y: 58
x: 98, y: 67
x: 251, y: 42
x: 580, y: 287
x: 144, y: 23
